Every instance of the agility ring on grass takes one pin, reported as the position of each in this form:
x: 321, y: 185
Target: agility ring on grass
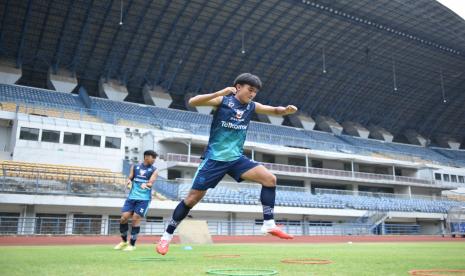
x: 242, y: 272
x: 437, y: 272
x: 152, y: 259
x: 306, y: 261
x: 221, y: 256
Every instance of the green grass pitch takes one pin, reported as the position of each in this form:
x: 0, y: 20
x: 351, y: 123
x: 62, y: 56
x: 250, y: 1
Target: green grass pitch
x: 348, y: 259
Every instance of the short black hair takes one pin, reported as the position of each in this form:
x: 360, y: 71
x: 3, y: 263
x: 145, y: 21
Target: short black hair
x: 151, y: 153
x: 247, y: 78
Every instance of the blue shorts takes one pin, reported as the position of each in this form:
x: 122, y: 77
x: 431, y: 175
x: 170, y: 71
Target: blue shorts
x: 139, y: 207
x: 210, y: 172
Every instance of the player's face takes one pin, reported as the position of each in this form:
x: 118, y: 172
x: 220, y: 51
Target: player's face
x: 246, y: 93
x: 149, y: 160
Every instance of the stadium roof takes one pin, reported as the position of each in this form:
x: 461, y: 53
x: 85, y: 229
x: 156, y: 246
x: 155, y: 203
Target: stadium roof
x: 399, y: 64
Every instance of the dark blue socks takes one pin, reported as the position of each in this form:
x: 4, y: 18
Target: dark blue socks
x: 267, y: 197
x: 179, y: 214
x: 123, y: 229
x: 134, y: 232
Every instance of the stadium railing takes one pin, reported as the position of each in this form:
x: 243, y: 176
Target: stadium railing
x: 400, y: 229
x: 379, y: 195
x: 100, y: 225
x: 84, y: 183
x: 176, y: 157
x: 91, y: 185
x: 390, y: 202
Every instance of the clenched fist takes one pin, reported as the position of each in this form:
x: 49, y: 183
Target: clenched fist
x: 290, y: 109
x: 226, y: 91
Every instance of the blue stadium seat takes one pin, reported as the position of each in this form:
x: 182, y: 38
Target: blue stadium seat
x: 457, y: 155
x: 111, y: 111
x: 243, y: 194
x: 38, y: 96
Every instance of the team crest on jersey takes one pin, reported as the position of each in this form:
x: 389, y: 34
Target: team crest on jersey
x: 239, y: 113
x: 142, y: 172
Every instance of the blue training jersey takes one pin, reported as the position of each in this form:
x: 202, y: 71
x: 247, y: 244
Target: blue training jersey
x: 142, y: 175
x: 229, y: 129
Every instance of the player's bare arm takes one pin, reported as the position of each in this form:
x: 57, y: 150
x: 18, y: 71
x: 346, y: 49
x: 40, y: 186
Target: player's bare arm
x: 149, y: 183
x: 211, y: 99
x: 130, y: 177
x: 275, y: 110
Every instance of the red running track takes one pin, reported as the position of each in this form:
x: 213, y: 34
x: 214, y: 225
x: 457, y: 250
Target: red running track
x: 80, y: 240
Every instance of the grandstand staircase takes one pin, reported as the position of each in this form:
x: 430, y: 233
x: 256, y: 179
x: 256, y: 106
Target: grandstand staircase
x: 373, y: 218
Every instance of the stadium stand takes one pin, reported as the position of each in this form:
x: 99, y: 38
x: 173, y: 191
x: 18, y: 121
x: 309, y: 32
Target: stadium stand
x: 39, y: 96
x: 197, y: 123
x: 127, y: 111
x: 457, y: 155
x: 294, y: 197
x: 60, y: 172
x: 140, y: 115
x: 43, y: 102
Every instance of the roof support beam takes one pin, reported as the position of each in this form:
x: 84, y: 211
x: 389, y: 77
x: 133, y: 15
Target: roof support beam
x: 132, y: 69
x: 42, y: 29
x: 97, y: 37
x: 223, y: 46
x: 132, y: 39
x: 247, y: 56
x: 161, y: 46
x: 315, y: 60
x: 19, y: 56
x: 443, y: 111
x: 210, y: 43
x: 2, y: 29
x: 111, y: 53
x: 184, y: 36
x: 187, y: 53
x: 82, y: 36
x: 59, y: 48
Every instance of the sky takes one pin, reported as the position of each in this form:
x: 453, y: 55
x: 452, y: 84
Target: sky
x: 457, y: 6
